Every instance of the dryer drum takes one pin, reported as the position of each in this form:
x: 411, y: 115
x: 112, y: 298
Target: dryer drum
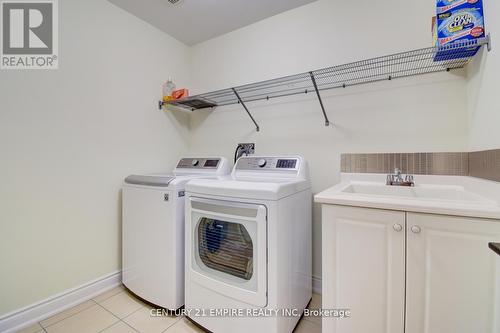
x: 226, y: 247
x: 215, y: 232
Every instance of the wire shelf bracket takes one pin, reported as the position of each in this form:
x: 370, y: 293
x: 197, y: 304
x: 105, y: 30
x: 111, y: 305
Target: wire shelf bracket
x: 488, y: 42
x: 257, y: 128
x: 390, y: 67
x: 313, y: 79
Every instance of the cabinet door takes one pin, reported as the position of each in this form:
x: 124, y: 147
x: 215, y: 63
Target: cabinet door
x: 453, y: 278
x: 363, y: 269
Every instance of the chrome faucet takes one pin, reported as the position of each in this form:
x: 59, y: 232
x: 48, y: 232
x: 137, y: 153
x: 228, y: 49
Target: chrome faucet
x: 396, y: 179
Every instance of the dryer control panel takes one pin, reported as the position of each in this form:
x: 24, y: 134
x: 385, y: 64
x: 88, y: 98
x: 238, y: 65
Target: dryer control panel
x: 268, y: 163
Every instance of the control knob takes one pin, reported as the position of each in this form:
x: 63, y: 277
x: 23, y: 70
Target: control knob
x: 262, y: 163
x: 195, y: 162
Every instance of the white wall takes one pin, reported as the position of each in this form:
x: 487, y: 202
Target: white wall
x: 68, y: 138
x: 483, y: 96
x: 419, y: 114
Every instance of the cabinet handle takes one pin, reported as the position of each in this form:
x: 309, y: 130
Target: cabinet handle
x: 415, y: 229
x: 397, y: 227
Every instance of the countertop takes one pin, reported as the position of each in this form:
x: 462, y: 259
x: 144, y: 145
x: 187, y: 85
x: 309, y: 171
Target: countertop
x: 486, y: 195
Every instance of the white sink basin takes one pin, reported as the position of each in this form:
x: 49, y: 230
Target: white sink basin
x: 446, y: 195
x: 430, y: 192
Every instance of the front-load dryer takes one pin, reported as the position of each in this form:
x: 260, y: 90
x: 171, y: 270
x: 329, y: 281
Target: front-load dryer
x: 153, y: 230
x: 248, y: 247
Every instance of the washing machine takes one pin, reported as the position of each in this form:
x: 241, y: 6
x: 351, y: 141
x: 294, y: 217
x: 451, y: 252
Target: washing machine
x: 153, y: 230
x: 248, y: 247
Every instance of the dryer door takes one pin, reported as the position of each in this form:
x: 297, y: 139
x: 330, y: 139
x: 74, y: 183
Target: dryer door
x: 227, y: 249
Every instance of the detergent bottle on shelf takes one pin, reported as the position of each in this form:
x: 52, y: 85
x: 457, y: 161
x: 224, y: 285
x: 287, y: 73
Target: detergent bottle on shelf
x: 168, y: 88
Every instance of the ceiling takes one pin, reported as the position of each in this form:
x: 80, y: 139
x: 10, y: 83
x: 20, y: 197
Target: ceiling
x: 195, y: 21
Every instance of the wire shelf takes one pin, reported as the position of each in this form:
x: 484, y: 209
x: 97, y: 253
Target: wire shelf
x: 399, y: 65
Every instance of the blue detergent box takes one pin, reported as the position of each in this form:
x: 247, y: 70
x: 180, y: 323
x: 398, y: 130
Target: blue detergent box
x: 458, y: 21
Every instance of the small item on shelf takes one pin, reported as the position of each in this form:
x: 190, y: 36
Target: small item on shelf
x: 458, y: 21
x: 180, y: 93
x: 168, y: 88
x: 434, y: 30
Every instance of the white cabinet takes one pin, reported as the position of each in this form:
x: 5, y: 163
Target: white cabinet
x: 453, y: 278
x: 409, y: 272
x: 363, y: 269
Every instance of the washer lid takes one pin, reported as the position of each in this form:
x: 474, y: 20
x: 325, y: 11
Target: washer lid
x: 159, y: 181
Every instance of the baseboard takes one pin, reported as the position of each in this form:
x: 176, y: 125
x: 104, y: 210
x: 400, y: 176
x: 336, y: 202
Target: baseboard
x: 317, y: 286
x: 34, y: 313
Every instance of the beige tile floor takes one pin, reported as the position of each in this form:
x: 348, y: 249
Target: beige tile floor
x: 118, y: 311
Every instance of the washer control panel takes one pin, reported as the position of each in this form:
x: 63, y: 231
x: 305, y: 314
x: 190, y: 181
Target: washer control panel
x: 198, y: 163
x: 268, y: 163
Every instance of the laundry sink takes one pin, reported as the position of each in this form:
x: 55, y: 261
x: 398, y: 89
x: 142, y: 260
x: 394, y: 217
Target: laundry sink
x: 425, y: 192
x: 446, y: 195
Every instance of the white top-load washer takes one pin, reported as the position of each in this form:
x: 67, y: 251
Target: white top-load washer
x: 248, y: 247
x: 153, y: 230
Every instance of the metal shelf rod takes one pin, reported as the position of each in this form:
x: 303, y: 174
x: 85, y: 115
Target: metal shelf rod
x: 452, y: 64
x: 246, y: 109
